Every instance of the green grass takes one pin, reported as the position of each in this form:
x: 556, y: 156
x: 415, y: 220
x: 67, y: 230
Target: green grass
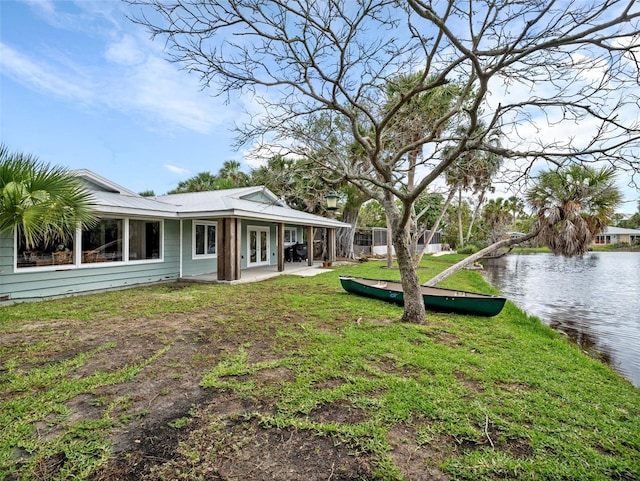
x: 491, y: 399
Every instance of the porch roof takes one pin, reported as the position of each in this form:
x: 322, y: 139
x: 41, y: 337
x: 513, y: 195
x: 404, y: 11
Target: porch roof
x: 255, y: 203
x: 232, y: 203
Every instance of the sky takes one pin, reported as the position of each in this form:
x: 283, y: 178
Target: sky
x: 81, y: 86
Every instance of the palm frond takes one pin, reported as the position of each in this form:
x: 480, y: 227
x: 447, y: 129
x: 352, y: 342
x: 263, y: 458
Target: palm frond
x: 41, y: 201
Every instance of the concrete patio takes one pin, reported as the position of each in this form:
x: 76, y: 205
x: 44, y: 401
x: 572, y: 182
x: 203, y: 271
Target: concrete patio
x: 256, y: 274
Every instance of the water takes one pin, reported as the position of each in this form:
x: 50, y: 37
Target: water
x: 595, y: 300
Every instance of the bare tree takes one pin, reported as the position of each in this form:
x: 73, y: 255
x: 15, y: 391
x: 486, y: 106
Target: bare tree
x: 536, y: 70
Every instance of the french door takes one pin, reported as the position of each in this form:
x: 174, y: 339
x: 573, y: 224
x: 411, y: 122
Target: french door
x: 258, y: 246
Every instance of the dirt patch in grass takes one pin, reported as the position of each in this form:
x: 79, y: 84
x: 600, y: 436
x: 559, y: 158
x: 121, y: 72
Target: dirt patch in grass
x: 162, y: 421
x: 293, y: 392
x: 342, y: 412
x: 415, y: 460
x: 223, y: 439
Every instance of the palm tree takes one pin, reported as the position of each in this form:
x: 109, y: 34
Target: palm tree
x: 419, y: 114
x: 516, y: 208
x: 45, y: 204
x: 231, y: 175
x: 496, y: 215
x: 572, y: 204
x: 202, y: 182
x: 423, y: 113
x: 474, y: 170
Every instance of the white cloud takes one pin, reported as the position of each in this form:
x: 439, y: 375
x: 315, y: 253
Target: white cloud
x: 124, y: 52
x: 176, y: 170
x: 77, y: 15
x: 166, y: 96
x: 44, y: 77
x: 46, y: 8
x: 258, y: 154
x: 133, y: 80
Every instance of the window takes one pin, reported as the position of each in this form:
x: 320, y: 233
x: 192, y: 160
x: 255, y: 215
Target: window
x: 204, y: 239
x: 54, y: 253
x: 103, y: 242
x: 144, y: 240
x: 290, y: 236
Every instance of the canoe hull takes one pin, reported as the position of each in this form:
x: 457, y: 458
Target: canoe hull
x: 435, y: 299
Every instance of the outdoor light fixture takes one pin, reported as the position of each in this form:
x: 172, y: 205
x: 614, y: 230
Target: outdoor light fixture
x: 332, y: 200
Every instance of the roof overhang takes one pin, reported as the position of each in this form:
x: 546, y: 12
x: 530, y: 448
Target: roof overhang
x: 315, y: 221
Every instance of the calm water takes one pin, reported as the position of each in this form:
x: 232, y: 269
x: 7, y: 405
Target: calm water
x: 595, y: 300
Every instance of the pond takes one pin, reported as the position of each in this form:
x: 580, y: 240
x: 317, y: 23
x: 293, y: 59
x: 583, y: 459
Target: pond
x: 595, y: 300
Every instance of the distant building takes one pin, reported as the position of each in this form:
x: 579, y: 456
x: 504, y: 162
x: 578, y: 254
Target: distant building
x: 373, y: 241
x: 618, y: 235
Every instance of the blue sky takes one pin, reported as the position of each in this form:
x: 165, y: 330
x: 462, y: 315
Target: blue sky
x: 83, y: 87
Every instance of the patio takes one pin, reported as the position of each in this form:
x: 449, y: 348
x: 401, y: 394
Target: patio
x: 256, y: 274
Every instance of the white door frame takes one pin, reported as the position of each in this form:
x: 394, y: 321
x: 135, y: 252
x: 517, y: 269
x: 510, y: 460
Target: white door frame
x: 262, y: 256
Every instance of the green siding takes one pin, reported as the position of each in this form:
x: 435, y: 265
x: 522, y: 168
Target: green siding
x: 28, y: 285
x: 191, y: 266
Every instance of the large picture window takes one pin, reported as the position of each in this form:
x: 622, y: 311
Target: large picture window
x: 56, y: 252
x: 110, y: 240
x: 103, y: 242
x: 204, y: 239
x: 144, y: 240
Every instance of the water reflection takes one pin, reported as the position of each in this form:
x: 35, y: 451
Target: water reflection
x: 595, y: 300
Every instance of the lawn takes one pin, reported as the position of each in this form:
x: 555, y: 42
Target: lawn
x: 294, y: 379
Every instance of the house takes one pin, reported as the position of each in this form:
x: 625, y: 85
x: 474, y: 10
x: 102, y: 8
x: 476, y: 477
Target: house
x: 618, y: 235
x: 142, y: 240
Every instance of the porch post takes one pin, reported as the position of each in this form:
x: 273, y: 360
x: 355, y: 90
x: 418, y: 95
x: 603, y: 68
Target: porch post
x: 280, y: 242
x: 229, y: 249
x: 310, y: 235
x: 331, y: 244
x: 237, y: 224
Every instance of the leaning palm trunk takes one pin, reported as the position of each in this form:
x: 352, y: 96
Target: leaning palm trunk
x: 435, y: 226
x: 460, y: 234
x: 478, y: 255
x: 474, y: 215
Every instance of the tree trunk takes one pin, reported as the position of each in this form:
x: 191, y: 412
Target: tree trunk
x: 346, y: 234
x: 445, y: 206
x: 389, y: 243
x: 474, y: 257
x: 460, y: 234
x: 413, y: 303
x: 474, y: 215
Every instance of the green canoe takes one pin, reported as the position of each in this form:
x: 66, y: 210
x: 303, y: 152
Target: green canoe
x: 435, y: 298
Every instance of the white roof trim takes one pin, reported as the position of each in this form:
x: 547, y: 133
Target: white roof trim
x: 117, y: 200
x: 610, y: 230
x: 101, y: 181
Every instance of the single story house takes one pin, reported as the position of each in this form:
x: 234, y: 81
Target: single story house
x: 142, y: 240
x: 618, y: 235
